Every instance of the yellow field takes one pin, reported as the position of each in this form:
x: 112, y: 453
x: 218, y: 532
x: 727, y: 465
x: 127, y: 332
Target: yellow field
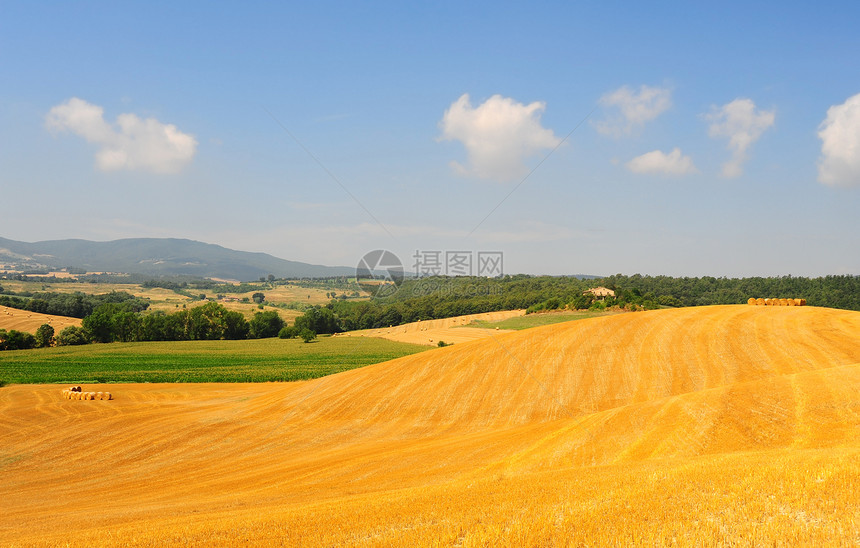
x: 23, y: 320
x: 430, y: 332
x: 71, y: 287
x: 724, y: 425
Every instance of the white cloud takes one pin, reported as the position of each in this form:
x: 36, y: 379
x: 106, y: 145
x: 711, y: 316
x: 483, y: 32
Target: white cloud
x: 498, y: 135
x: 839, y: 164
x: 131, y: 143
x: 743, y: 125
x: 658, y: 161
x: 635, y: 108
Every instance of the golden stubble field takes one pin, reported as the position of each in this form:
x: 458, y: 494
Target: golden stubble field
x: 724, y: 425
x: 430, y: 332
x: 29, y: 322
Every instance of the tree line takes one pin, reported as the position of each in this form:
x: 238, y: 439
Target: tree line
x: 75, y: 305
x: 212, y: 321
x: 121, y: 322
x: 444, y: 297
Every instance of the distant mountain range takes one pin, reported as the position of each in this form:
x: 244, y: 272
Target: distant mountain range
x: 157, y: 257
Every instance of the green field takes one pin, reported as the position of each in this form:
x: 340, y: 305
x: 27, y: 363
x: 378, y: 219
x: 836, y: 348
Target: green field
x: 541, y: 318
x: 259, y: 360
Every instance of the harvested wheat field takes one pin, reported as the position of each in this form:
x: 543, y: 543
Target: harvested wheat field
x: 450, y: 330
x: 723, y: 425
x: 29, y: 322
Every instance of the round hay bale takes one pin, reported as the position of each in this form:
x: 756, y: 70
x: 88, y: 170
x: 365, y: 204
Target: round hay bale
x: 790, y: 302
x: 751, y: 301
x: 783, y: 302
x: 759, y: 301
x: 802, y: 302
x: 99, y: 395
x: 107, y: 396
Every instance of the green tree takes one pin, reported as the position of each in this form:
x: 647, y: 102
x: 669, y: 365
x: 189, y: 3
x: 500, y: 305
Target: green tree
x: 258, y: 297
x: 320, y: 320
x: 99, y: 325
x: 211, y: 322
x: 16, y: 340
x: 265, y: 324
x: 158, y: 326
x: 72, y: 336
x: 125, y: 326
x: 44, y: 336
x: 307, y: 335
x: 235, y: 325
x: 288, y: 332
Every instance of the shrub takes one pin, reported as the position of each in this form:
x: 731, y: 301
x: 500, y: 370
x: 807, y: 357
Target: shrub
x: 288, y: 332
x: 72, y: 336
x: 307, y: 335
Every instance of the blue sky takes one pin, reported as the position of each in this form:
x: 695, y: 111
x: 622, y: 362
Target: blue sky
x: 717, y: 141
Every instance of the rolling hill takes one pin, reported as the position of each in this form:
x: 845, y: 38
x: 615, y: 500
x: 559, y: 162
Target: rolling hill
x: 711, y: 425
x: 29, y: 322
x: 159, y: 257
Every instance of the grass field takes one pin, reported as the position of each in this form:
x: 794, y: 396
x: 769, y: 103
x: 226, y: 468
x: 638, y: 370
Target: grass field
x: 541, y: 318
x: 197, y: 361
x: 707, y: 426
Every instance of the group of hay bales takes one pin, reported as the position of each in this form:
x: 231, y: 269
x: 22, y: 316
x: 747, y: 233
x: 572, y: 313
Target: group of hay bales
x: 75, y: 393
x: 776, y: 302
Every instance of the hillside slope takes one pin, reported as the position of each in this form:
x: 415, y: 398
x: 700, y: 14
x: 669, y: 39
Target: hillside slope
x: 24, y: 320
x: 159, y: 256
x: 728, y: 424
x: 430, y: 332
